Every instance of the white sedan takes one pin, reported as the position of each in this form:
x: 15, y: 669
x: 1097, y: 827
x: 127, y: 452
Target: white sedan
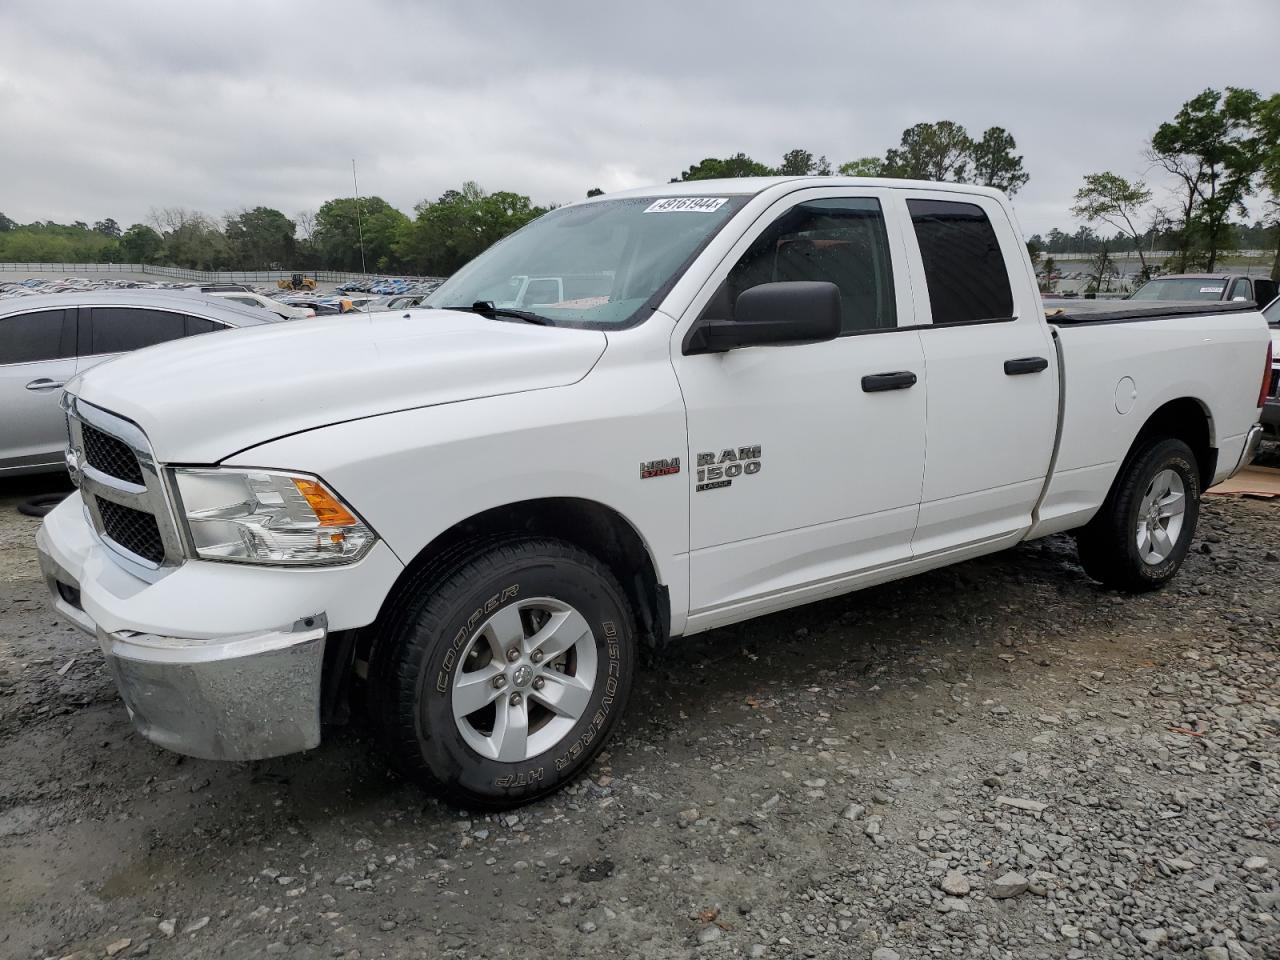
x: 266, y: 303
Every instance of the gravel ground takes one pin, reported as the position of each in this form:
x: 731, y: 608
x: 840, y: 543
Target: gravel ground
x: 999, y: 760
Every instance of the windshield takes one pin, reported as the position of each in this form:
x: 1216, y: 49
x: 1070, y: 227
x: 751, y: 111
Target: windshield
x: 1181, y: 288
x: 591, y: 265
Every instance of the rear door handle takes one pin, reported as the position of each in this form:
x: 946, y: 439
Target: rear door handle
x: 1025, y: 365
x: 877, y: 382
x: 44, y: 383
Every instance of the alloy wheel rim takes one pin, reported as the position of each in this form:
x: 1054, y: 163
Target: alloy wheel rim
x: 1161, y: 514
x: 524, y: 680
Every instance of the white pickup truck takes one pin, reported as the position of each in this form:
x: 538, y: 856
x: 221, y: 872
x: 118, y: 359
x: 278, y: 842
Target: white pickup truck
x: 720, y: 399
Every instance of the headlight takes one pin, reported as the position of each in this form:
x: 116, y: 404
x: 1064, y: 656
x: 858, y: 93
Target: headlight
x: 260, y: 516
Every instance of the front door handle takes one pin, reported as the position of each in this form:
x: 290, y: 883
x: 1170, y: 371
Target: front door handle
x: 44, y: 383
x: 899, y: 380
x: 1025, y: 365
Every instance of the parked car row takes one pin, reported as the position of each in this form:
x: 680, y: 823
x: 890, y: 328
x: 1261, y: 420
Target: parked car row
x: 392, y: 286
x: 36, y: 286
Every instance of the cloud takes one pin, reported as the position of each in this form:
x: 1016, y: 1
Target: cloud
x: 111, y: 109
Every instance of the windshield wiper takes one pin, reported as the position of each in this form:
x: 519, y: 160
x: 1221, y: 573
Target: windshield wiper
x: 487, y: 308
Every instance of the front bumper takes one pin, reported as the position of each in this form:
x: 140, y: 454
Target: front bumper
x: 226, y: 687
x: 241, y: 698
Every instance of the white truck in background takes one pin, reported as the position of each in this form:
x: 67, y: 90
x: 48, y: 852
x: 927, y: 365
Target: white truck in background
x: 743, y: 395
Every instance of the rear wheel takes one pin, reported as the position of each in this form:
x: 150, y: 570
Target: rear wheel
x: 1142, y: 534
x: 498, y: 680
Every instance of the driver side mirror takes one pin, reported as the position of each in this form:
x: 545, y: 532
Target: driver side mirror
x: 794, y: 311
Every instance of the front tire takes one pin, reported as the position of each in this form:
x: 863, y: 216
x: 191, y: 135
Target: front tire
x: 1142, y: 533
x: 497, y: 680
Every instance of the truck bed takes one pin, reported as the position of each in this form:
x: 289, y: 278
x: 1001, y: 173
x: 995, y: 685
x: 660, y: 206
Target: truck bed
x: 1120, y: 365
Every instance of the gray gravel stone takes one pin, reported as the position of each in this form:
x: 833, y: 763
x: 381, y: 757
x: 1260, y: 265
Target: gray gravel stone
x: 1009, y: 885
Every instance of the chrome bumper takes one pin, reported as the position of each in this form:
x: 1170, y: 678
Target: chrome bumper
x: 234, y: 698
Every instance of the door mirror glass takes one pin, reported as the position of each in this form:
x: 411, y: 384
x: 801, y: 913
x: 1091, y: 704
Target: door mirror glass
x: 796, y: 311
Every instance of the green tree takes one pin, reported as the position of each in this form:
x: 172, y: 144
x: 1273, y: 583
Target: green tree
x: 802, y: 163
x: 191, y: 239
x: 107, y: 227
x: 995, y: 164
x: 141, y: 244
x: 594, y: 192
x: 57, y: 243
x: 338, y: 231
x: 931, y: 151
x: 1110, y: 198
x: 739, y: 165
x: 1208, y: 148
x: 1047, y: 269
x: 1101, y: 269
x: 863, y: 167
x: 1266, y: 132
x: 6, y: 224
x: 447, y: 233
x: 260, y: 238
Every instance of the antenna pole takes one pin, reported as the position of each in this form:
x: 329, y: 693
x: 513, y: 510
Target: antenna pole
x: 359, y: 222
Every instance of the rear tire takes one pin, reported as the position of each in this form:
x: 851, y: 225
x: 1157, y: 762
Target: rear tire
x: 1143, y: 531
x: 537, y: 636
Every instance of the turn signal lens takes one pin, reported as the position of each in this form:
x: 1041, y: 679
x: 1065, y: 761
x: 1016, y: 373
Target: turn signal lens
x: 327, y: 509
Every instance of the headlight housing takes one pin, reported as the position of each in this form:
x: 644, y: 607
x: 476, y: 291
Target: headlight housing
x: 268, y: 517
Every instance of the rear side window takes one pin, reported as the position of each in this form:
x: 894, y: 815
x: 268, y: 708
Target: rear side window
x: 201, y: 325
x: 31, y: 337
x: 1242, y: 290
x: 840, y: 241
x: 120, y: 329
x: 963, y: 266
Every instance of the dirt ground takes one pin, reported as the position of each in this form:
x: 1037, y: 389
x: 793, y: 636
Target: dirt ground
x: 999, y: 759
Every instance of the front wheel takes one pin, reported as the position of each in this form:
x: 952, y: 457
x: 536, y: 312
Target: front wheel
x: 1142, y: 534
x: 499, y: 680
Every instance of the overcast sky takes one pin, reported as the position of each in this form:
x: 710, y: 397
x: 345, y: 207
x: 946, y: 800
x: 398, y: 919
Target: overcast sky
x: 108, y: 109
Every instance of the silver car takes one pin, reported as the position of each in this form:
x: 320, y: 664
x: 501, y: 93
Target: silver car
x: 47, y: 339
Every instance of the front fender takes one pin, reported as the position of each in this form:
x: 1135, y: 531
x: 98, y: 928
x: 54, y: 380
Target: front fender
x: 414, y: 474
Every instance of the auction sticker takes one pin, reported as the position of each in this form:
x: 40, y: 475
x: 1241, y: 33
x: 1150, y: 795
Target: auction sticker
x: 1202, y: 289
x: 687, y: 205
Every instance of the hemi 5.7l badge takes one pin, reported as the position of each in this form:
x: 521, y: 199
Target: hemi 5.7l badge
x: 716, y: 470
x: 659, y: 468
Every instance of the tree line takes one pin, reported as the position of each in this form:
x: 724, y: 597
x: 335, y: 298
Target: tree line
x: 368, y: 235
x: 1221, y: 149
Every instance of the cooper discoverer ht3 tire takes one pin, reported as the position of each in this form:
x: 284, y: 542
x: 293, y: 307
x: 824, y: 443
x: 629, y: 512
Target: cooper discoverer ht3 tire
x: 1144, y: 529
x: 500, y: 677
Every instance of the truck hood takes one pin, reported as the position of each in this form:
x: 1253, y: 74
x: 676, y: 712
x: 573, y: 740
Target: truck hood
x: 206, y: 397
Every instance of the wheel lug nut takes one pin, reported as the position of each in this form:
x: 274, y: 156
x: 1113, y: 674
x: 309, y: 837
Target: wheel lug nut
x: 500, y: 681
x: 513, y: 655
x: 539, y: 683
x: 515, y: 699
x: 536, y: 656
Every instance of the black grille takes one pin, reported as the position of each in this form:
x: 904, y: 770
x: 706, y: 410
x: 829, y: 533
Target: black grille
x: 132, y: 529
x: 113, y: 457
